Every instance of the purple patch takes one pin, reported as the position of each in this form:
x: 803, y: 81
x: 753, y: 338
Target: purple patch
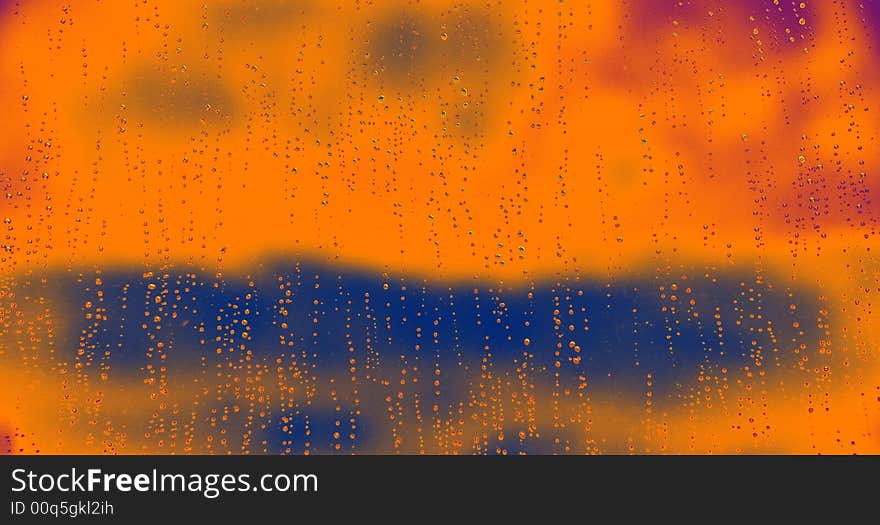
x: 869, y: 13
x: 783, y: 17
x: 786, y: 18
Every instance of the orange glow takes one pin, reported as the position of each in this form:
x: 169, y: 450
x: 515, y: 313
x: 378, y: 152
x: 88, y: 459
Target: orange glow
x: 507, y: 143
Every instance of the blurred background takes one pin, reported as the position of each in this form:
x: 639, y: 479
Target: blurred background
x: 439, y: 227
